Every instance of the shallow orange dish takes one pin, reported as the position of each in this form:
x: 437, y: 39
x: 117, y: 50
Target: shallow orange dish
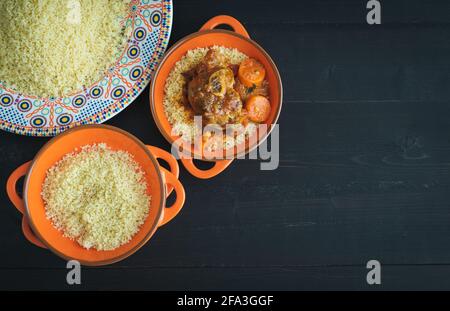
x: 40, y: 231
x: 209, y: 36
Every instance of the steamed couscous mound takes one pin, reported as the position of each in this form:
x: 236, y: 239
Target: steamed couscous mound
x: 97, y: 197
x: 55, y: 47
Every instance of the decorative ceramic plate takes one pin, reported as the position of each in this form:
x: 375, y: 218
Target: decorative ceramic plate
x: 151, y: 22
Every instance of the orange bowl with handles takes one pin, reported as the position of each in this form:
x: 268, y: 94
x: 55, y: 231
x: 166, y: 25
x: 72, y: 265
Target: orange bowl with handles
x: 209, y: 36
x: 160, y: 182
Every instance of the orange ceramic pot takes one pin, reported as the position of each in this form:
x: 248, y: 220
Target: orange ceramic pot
x: 40, y: 231
x: 209, y: 36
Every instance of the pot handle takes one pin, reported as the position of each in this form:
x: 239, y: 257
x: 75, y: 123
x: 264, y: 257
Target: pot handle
x: 18, y: 173
x: 171, y: 211
x: 226, y: 20
x: 159, y: 153
x: 29, y: 234
x: 219, y: 167
x: 17, y: 201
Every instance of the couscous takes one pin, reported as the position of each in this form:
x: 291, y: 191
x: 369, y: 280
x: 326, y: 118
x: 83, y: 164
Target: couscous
x: 52, y: 48
x: 97, y: 196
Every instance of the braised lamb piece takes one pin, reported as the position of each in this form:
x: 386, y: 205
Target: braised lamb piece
x: 217, y: 90
x: 210, y: 90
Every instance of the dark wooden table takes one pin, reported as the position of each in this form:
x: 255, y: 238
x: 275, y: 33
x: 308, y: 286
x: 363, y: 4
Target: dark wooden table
x: 364, y: 164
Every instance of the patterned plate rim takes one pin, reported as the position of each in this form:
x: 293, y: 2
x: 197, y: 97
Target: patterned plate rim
x: 117, y: 106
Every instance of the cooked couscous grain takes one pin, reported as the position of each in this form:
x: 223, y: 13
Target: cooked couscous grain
x: 55, y: 47
x: 97, y: 197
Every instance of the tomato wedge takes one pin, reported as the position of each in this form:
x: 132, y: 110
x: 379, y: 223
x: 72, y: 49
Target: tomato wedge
x: 258, y: 108
x: 251, y: 72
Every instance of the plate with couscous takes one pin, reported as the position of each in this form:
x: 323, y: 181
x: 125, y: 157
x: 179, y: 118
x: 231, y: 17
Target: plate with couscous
x: 74, y: 62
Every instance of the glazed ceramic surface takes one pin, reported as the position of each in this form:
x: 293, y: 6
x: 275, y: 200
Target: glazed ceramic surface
x: 209, y: 36
x: 39, y: 230
x: 25, y: 114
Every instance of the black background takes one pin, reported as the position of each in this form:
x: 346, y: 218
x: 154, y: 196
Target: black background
x: 364, y: 164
